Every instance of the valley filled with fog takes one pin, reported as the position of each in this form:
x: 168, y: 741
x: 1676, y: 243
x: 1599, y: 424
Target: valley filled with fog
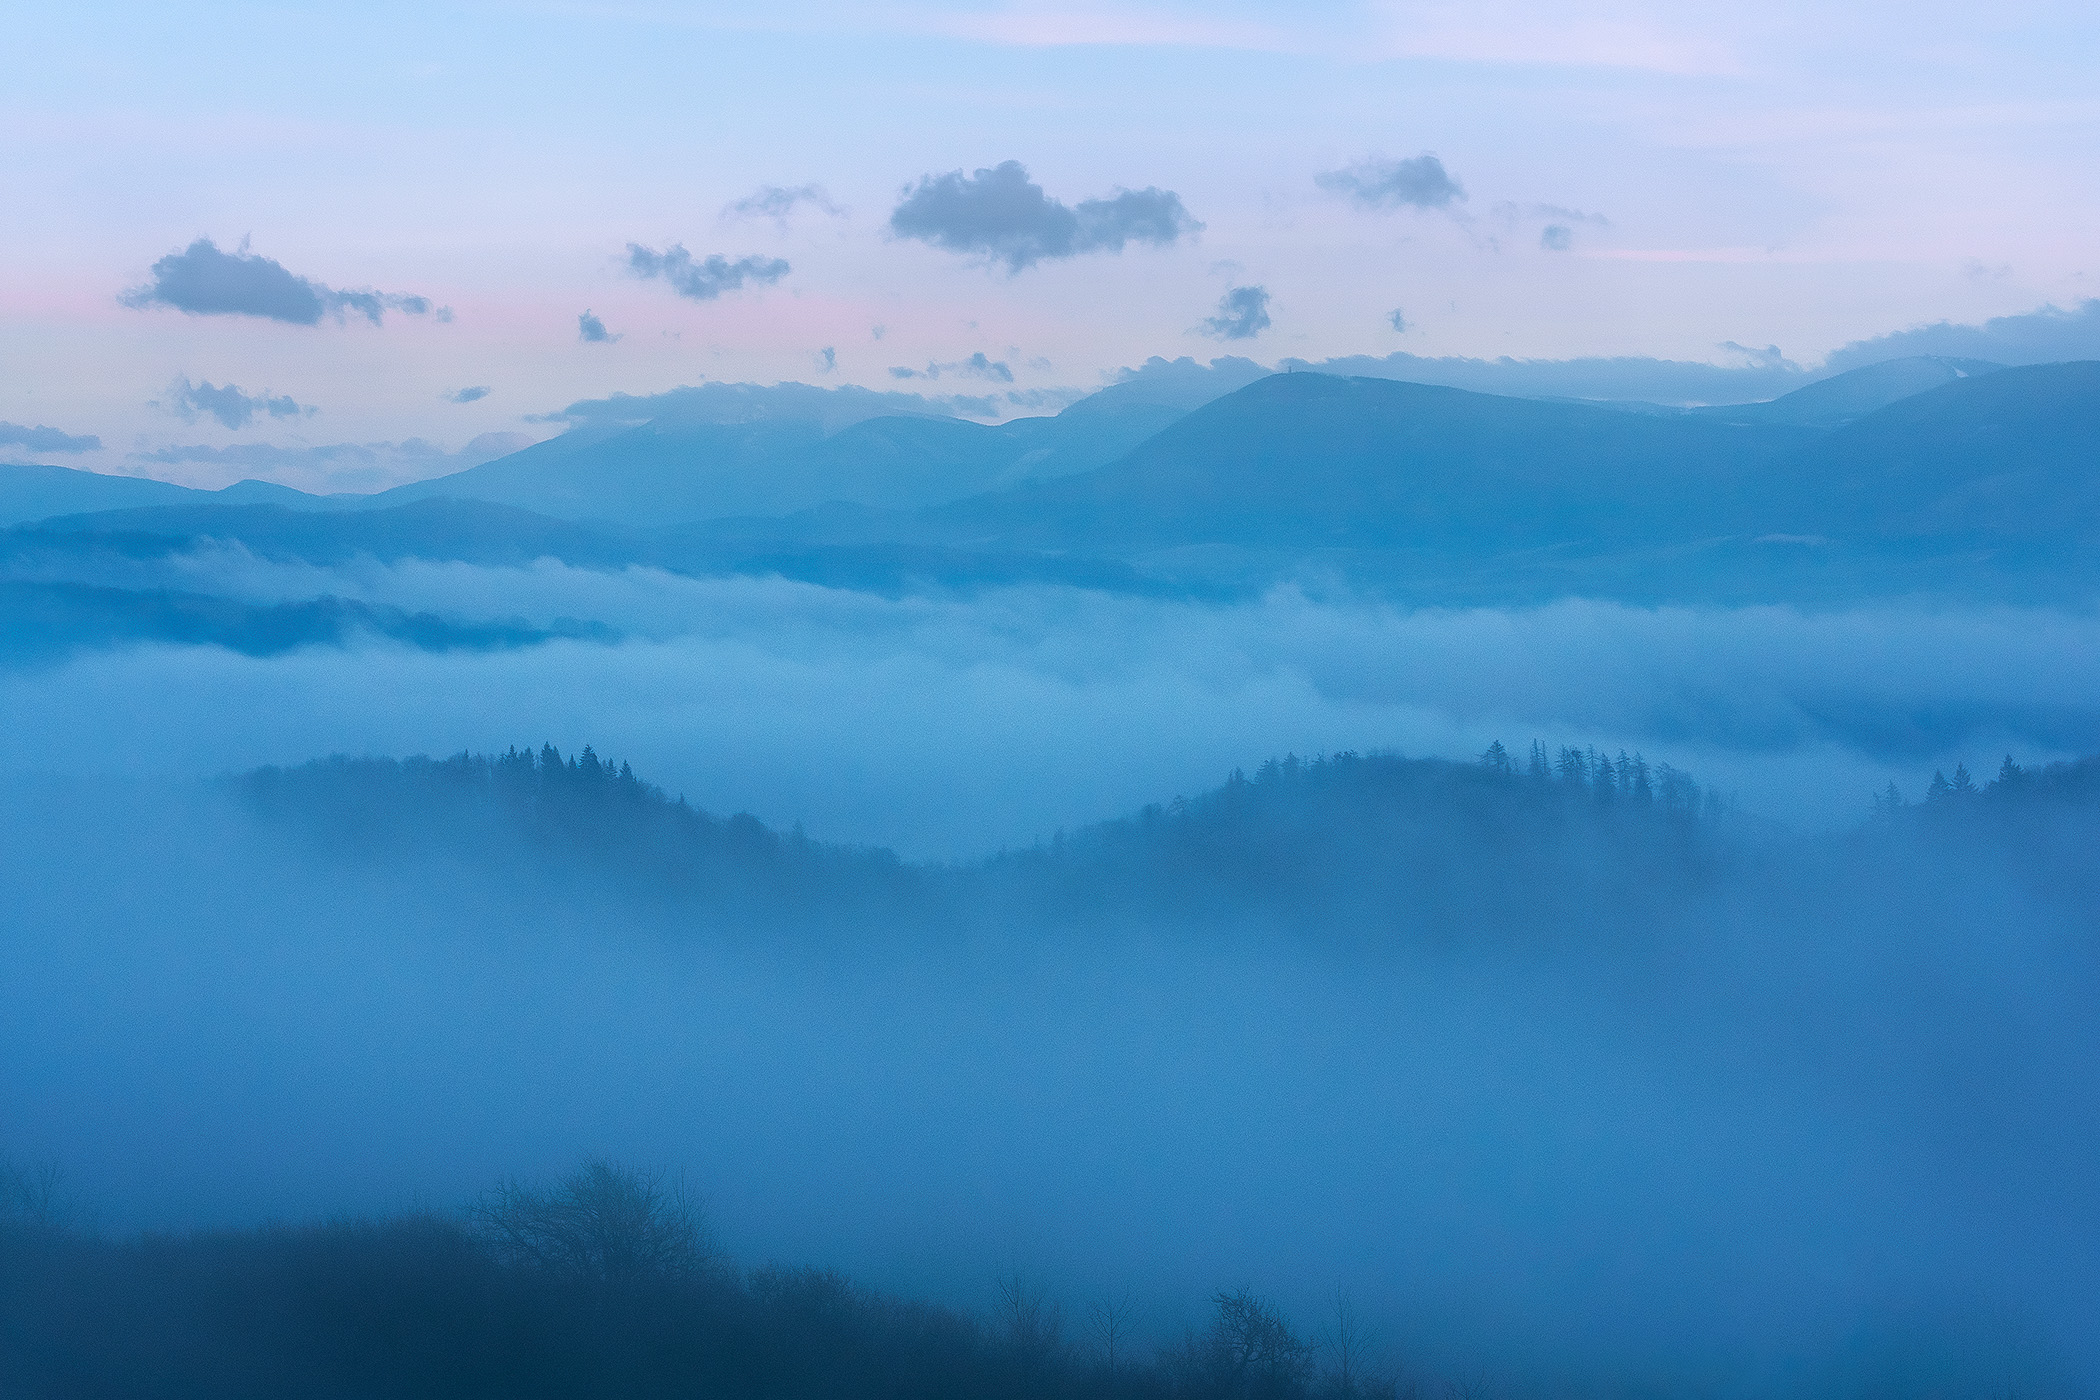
x: 1378, y: 878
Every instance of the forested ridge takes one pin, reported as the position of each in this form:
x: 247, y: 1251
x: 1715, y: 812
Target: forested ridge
x: 604, y: 1283
x: 1555, y: 842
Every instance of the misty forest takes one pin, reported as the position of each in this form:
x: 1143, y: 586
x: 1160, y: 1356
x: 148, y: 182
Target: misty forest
x: 836, y: 812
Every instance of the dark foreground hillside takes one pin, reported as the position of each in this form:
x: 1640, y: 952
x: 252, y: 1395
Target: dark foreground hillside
x: 601, y: 1285
x: 1579, y: 1079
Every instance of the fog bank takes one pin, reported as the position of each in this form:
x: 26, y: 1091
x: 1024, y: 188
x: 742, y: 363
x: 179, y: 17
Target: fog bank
x: 951, y: 725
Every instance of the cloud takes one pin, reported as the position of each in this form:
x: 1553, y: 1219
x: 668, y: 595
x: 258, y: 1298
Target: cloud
x: 1002, y: 216
x: 1396, y: 319
x: 1623, y: 377
x: 42, y: 439
x: 1419, y: 182
x: 1051, y: 399
x: 828, y: 360
x: 1769, y: 357
x: 202, y: 280
x: 1556, y: 238
x: 591, y: 330
x: 233, y: 408
x: 478, y: 392
x: 1510, y: 212
x: 776, y: 202
x: 977, y: 366
x: 2044, y: 336
x: 1243, y: 313
x: 708, y: 278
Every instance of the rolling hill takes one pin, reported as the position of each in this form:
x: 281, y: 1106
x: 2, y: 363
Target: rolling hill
x: 1842, y: 398
x: 2003, y: 460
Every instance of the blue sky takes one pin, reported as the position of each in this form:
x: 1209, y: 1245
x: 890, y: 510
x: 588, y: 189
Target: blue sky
x: 1623, y: 179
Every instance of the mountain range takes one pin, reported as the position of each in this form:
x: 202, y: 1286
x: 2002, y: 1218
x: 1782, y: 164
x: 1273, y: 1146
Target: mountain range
x: 1926, y: 475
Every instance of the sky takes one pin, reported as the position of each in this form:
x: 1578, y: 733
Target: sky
x: 469, y: 216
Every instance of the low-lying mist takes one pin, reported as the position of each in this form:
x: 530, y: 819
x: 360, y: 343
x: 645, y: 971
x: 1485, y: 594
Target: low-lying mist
x: 1801, y: 1106
x: 948, y: 725
x: 1816, y: 1122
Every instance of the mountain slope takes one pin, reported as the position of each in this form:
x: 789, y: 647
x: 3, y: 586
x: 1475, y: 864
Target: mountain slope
x: 37, y: 493
x: 669, y: 471
x: 1842, y: 398
x: 1303, y: 461
x: 2004, y: 459
x: 32, y: 492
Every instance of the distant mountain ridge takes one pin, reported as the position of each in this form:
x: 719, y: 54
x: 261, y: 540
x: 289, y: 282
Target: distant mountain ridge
x: 1981, y: 487
x: 723, y: 450
x: 665, y: 473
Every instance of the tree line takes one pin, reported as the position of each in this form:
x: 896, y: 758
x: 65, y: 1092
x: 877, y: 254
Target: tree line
x: 606, y: 1282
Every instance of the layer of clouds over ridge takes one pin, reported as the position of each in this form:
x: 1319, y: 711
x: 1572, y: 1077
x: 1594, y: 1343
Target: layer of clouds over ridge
x: 339, y: 466
x: 706, y: 278
x: 1002, y: 216
x: 42, y: 439
x: 204, y: 280
x: 977, y: 366
x: 2045, y: 336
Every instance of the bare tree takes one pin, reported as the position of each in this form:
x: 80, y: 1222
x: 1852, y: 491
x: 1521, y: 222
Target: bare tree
x: 1033, y: 1324
x: 601, y: 1221
x: 34, y: 1195
x: 1358, y: 1372
x: 1111, y: 1323
x: 1255, y: 1347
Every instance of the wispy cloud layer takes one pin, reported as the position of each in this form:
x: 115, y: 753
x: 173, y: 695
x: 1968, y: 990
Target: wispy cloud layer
x: 42, y: 439
x: 977, y: 366
x: 778, y: 202
x: 340, y: 466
